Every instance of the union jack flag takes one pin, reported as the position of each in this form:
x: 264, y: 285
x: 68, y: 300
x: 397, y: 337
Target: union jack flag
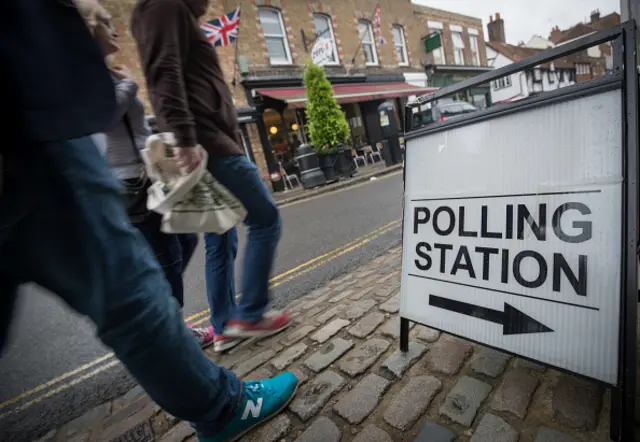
x: 224, y: 30
x: 378, y: 22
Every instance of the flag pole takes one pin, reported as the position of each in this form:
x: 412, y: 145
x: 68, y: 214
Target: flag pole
x: 235, y: 56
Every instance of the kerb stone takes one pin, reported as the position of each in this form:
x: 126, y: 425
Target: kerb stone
x: 400, y: 361
x: 367, y: 325
x: 363, y: 357
x: 490, y: 362
x: 326, y: 355
x: 321, y: 430
x: 326, y: 332
x: 371, y: 433
x: 464, y: 399
x: 515, y: 392
x: 448, y: 355
x: 356, y: 405
x: 411, y: 402
x: 494, y: 429
x: 316, y: 394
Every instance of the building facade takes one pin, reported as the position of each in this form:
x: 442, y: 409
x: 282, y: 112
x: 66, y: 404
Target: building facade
x: 370, y: 64
x: 581, y: 66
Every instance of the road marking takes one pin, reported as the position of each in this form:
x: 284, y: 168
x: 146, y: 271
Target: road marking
x: 109, y: 360
x: 60, y: 389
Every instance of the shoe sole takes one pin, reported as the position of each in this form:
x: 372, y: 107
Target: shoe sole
x: 235, y: 333
x: 268, y: 418
x: 228, y: 346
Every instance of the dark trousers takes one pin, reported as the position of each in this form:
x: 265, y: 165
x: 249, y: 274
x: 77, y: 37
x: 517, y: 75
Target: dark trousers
x: 172, y: 251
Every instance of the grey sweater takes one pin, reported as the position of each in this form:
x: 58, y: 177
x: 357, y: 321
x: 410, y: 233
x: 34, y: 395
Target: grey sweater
x: 120, y: 146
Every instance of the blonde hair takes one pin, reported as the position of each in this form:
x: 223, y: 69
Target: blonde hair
x: 92, y: 12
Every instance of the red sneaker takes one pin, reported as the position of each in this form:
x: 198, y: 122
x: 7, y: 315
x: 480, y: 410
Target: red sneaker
x: 222, y: 343
x: 267, y: 326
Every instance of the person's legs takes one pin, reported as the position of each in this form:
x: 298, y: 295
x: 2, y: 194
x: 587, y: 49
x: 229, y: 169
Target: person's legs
x: 78, y: 243
x: 173, y: 258
x: 242, y: 178
x: 188, y: 244
x: 221, y: 251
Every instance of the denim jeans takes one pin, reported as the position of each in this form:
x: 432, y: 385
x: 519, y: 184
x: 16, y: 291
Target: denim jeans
x: 173, y: 252
x: 221, y: 251
x: 63, y: 225
x: 263, y: 224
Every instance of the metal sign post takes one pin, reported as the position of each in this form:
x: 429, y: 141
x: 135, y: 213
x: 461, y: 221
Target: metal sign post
x: 520, y: 224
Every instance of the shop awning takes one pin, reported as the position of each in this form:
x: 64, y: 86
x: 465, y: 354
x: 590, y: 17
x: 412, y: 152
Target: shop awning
x: 348, y: 93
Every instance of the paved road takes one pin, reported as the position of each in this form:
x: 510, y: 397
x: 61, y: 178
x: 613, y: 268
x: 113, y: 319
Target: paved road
x: 322, y: 237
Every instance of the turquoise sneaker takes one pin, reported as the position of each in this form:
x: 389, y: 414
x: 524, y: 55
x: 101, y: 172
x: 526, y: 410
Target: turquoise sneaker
x: 262, y: 401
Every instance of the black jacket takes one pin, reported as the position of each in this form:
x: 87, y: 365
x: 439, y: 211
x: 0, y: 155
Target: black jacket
x: 54, y: 84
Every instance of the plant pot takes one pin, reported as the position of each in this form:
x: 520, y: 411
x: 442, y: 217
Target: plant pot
x: 327, y: 164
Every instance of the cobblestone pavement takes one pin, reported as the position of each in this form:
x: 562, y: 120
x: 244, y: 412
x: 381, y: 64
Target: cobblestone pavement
x: 358, y: 387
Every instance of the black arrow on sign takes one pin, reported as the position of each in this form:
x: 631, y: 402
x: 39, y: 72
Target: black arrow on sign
x: 513, y: 321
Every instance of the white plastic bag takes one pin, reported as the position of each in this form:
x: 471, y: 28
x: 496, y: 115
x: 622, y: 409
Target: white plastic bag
x: 189, y: 203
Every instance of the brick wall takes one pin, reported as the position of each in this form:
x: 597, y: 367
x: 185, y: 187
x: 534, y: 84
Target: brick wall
x: 424, y: 14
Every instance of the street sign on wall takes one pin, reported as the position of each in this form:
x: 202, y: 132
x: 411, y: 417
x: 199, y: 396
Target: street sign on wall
x: 512, y: 233
x: 520, y: 223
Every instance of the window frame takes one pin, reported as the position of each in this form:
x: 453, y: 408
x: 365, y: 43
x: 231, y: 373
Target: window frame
x: 405, y: 53
x: 458, y: 52
x: 332, y: 35
x: 284, y: 37
x: 475, y: 51
x: 374, y: 49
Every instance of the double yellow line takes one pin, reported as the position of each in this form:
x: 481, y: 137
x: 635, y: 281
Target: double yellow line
x: 103, y: 363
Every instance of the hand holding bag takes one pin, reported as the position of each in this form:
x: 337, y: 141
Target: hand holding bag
x: 191, y: 202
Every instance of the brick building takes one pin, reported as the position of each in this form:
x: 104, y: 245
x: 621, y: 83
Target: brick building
x: 264, y: 66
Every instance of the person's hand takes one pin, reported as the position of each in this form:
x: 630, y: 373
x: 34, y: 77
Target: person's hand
x: 188, y: 158
x: 120, y: 72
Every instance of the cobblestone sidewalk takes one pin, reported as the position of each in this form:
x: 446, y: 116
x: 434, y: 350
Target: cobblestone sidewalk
x: 358, y: 387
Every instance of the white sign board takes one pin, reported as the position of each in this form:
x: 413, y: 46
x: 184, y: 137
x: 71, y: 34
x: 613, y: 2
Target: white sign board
x: 512, y: 234
x: 322, y: 51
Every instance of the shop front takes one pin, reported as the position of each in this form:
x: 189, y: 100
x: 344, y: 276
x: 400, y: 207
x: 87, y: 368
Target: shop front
x: 281, y: 103
x: 440, y: 76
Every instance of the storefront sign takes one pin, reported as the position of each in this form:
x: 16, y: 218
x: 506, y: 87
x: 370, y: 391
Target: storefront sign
x: 322, y: 51
x: 514, y: 240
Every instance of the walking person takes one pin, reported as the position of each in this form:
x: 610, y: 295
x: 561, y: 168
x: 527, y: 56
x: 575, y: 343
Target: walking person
x: 125, y: 137
x: 190, y: 98
x: 63, y: 225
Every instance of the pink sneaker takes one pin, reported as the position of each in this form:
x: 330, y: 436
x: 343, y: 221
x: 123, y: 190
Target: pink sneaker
x: 223, y: 343
x: 204, y: 336
x: 267, y: 326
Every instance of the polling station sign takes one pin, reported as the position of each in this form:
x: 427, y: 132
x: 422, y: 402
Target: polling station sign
x: 512, y: 233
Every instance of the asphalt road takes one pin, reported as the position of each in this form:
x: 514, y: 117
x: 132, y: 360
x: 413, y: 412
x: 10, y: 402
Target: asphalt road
x: 51, y: 371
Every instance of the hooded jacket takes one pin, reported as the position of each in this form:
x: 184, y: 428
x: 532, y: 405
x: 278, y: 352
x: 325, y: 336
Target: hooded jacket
x: 187, y: 89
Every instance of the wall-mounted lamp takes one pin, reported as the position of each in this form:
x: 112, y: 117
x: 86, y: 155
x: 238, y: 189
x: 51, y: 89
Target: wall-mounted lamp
x: 273, y: 130
x: 294, y: 127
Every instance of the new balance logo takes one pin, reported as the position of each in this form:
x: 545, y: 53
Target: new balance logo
x: 252, y: 408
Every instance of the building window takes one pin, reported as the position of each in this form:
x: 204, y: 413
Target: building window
x: 368, y: 44
x: 502, y: 83
x: 583, y: 69
x: 458, y: 47
x: 400, y: 45
x: 438, y: 54
x: 324, y: 30
x: 275, y: 36
x: 475, y: 51
x: 552, y: 76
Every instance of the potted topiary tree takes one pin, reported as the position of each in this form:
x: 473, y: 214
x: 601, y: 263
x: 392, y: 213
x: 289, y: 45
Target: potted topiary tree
x: 326, y: 123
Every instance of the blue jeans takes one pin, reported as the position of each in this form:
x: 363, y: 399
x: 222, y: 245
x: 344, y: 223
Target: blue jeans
x: 173, y: 252
x: 263, y: 224
x: 63, y: 225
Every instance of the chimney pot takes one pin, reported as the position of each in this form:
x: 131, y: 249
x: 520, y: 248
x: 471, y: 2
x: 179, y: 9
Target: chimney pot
x: 497, y: 16
x: 491, y: 19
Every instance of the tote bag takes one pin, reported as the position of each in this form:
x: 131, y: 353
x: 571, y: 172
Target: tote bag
x: 188, y: 202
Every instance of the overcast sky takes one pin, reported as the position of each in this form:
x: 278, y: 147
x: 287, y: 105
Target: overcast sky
x: 524, y: 18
